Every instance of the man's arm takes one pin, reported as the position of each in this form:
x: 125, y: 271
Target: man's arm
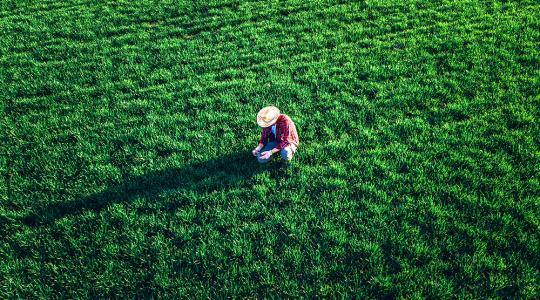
x: 284, y: 141
x: 262, y: 141
x: 264, y: 137
x: 259, y: 147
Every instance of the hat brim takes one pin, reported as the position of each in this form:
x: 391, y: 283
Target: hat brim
x: 260, y: 120
x: 264, y: 124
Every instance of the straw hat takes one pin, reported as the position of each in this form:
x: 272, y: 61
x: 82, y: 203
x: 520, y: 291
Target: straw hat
x: 267, y: 116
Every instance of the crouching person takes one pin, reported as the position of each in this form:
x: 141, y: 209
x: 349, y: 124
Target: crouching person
x: 278, y: 135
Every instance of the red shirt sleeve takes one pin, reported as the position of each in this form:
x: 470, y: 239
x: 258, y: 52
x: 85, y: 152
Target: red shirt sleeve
x: 264, y: 136
x: 284, y: 141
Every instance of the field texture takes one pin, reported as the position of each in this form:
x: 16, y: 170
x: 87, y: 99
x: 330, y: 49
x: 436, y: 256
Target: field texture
x: 126, y: 131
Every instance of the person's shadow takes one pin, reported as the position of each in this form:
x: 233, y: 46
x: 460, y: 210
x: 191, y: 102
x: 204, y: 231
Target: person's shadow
x: 218, y: 174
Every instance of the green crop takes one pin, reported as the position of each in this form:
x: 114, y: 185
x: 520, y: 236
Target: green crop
x: 126, y: 129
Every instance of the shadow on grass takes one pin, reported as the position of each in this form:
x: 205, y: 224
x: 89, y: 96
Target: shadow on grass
x: 225, y: 172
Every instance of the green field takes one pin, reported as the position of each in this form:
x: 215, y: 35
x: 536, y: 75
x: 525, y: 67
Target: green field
x: 126, y: 130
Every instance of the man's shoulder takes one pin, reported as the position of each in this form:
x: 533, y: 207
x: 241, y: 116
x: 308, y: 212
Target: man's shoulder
x: 285, y: 118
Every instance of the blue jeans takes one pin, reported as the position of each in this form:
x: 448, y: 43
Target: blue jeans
x: 286, y: 153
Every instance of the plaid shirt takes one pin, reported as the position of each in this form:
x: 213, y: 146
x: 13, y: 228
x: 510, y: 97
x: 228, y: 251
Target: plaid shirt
x: 285, y: 133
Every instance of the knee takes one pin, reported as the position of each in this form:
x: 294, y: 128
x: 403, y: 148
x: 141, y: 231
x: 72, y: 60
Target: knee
x: 286, y: 154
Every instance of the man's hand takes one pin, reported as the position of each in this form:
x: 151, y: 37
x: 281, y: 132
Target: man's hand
x: 255, y: 151
x: 266, y: 154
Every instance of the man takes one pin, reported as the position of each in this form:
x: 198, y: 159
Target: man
x: 278, y: 135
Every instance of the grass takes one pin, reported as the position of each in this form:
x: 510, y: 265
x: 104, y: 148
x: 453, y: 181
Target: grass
x: 126, y: 130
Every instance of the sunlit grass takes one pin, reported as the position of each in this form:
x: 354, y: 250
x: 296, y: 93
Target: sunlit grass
x: 126, y: 131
